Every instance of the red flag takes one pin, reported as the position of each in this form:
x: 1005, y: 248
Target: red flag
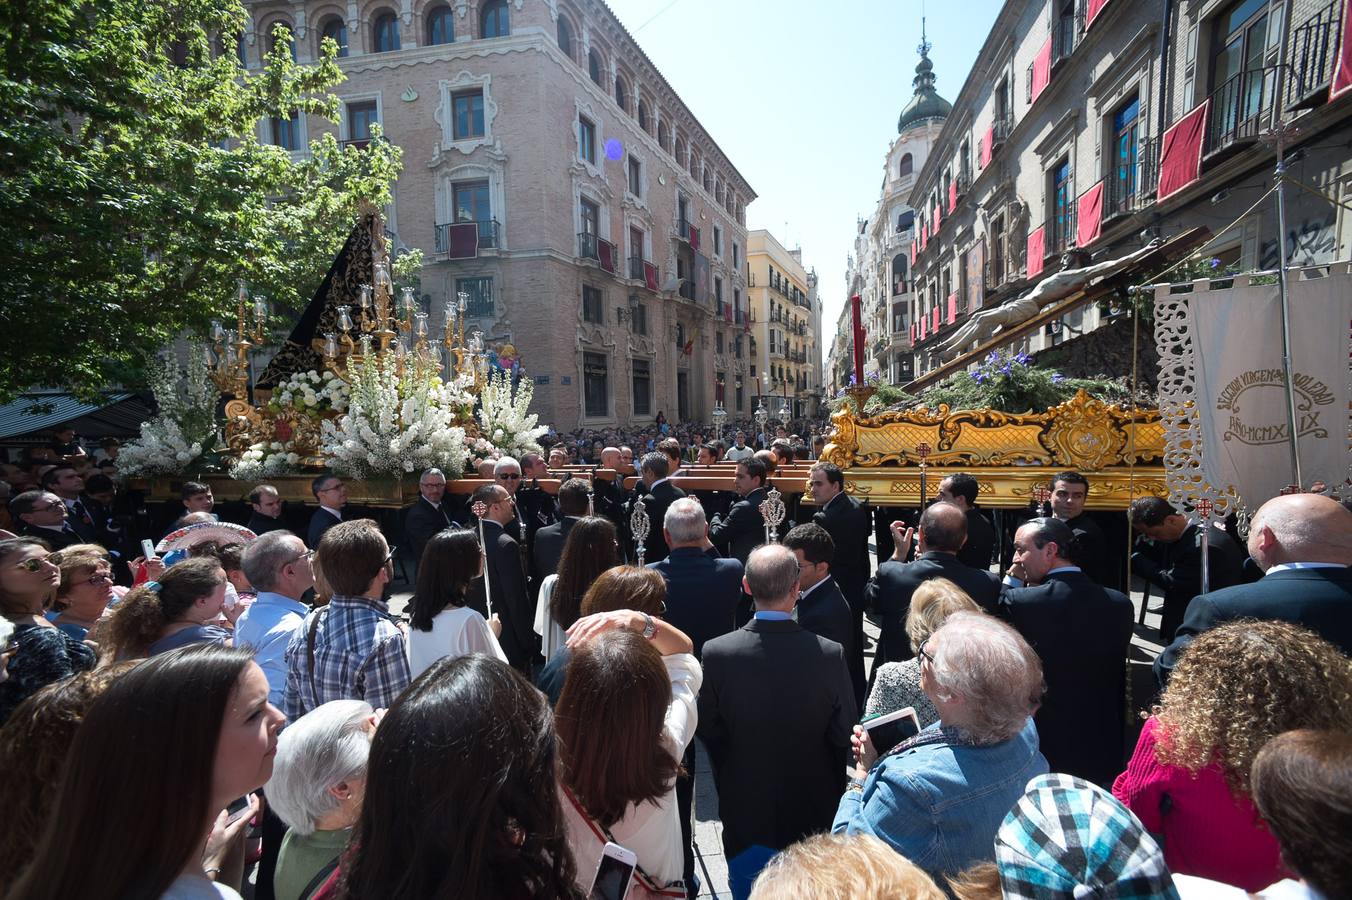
x: 938, y: 217
x: 1089, y: 216
x: 694, y: 238
x: 689, y: 348
x: 988, y: 146
x: 1342, y: 73
x: 1181, y: 152
x: 650, y: 276
x: 952, y: 307
x: 1095, y: 7
x: 936, y: 314
x: 953, y: 195
x: 1042, y: 69
x: 1037, y: 244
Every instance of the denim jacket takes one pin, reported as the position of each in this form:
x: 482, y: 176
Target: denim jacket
x: 939, y: 803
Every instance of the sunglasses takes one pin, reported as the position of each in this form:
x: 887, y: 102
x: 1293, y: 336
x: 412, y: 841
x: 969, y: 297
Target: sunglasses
x: 33, y: 563
x: 509, y: 476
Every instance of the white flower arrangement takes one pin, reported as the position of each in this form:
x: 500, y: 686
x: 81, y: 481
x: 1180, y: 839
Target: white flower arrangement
x: 264, y: 460
x: 505, y: 418
x: 395, y: 426
x: 185, y: 427
x: 312, y: 393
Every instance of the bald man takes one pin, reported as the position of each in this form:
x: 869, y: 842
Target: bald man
x: 1303, y: 544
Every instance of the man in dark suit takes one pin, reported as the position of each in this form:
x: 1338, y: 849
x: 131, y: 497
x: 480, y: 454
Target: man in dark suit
x: 743, y: 529
x: 1303, y: 544
x: 1091, y: 552
x: 535, y: 507
x: 775, y: 712
x: 1082, y: 632
x: 943, y: 528
x: 506, y: 579
x: 331, y: 493
x: 847, y: 521
x: 550, y: 539
x: 429, y: 514
x: 1173, y: 563
x: 65, y: 482
x: 961, y: 490
x: 660, y: 493
x: 821, y: 608
x: 266, y: 504
x: 41, y: 514
x: 609, y: 496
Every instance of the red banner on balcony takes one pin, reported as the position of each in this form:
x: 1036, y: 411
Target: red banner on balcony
x: 953, y: 195
x: 694, y: 238
x: 988, y: 146
x: 1037, y: 248
x: 1181, y: 152
x: 650, y: 276
x: 605, y: 252
x: 1095, y: 7
x: 1089, y: 216
x: 937, y: 316
x: 912, y: 332
x: 924, y: 327
x: 1042, y: 69
x: 1342, y: 71
x: 938, y: 217
x: 913, y: 253
x: 462, y: 240
x: 952, y: 308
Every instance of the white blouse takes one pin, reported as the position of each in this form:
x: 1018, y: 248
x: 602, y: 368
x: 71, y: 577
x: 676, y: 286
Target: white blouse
x: 552, y: 637
x: 456, y: 631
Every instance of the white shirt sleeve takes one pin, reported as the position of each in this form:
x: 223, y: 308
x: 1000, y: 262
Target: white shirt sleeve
x: 682, y: 718
x: 479, y: 638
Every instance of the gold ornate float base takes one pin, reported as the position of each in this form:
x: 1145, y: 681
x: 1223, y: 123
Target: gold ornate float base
x: 1120, y: 451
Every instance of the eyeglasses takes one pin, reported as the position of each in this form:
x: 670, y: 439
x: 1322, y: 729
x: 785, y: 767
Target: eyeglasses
x: 308, y: 554
x: 49, y: 507
x: 336, y: 487
x: 389, y: 556
x: 33, y: 563
x: 103, y: 578
x: 920, y: 651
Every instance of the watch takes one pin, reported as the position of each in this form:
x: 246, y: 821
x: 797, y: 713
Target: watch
x: 649, y: 627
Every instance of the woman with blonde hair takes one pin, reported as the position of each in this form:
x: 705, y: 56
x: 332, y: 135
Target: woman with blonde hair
x: 843, y: 867
x: 1234, y: 688
x: 897, y: 684
x: 85, y: 591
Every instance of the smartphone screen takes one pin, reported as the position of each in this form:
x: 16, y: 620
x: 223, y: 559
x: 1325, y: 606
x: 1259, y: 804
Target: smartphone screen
x: 612, y: 879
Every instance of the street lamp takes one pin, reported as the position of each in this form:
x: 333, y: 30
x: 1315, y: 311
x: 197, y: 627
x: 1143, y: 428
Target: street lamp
x: 762, y: 417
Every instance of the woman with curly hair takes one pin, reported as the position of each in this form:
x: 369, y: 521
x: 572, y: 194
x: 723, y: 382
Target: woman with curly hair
x: 1188, y: 781
x: 175, y: 611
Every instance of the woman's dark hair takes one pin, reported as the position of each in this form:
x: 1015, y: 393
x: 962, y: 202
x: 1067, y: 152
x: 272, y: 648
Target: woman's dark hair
x: 8, y: 547
x: 227, y: 554
x: 610, y: 719
x: 589, y: 550
x: 140, y: 619
x: 449, y: 563
x: 626, y: 587
x: 461, y: 797
x: 34, y: 745
x: 147, y: 745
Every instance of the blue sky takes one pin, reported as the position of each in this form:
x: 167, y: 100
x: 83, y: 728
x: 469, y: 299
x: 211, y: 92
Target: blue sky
x: 803, y: 97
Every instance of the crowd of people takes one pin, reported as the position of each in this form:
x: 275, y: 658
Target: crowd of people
x: 257, y: 713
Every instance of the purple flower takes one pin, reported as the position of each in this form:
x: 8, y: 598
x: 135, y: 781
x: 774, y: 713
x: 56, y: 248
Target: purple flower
x: 1057, y: 377
x: 979, y: 377
x: 1023, y: 359
x: 1215, y: 262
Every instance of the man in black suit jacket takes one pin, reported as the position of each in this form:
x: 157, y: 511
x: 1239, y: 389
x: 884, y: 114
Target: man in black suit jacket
x: 506, y: 579
x: 429, y: 515
x: 331, y: 493
x: 702, y: 587
x: 848, y: 522
x: 1082, y: 631
x: 266, y: 504
x: 660, y: 493
x: 775, y: 712
x: 961, y: 490
x: 1091, y: 552
x: 1303, y: 544
x: 42, y: 514
x: 822, y: 608
x: 1174, y: 562
x: 743, y: 529
x: 943, y: 528
x: 549, y: 540
x: 535, y: 507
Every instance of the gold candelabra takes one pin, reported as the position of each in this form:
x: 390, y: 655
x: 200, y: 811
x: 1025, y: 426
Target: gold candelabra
x: 464, y: 355
x: 227, y: 359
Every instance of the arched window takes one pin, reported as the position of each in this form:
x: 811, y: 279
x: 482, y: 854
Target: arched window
x: 643, y: 115
x: 386, y: 33
x: 621, y: 94
x: 708, y: 179
x: 440, y: 26
x: 662, y: 136
x: 336, y: 30
x: 907, y: 164
x: 493, y: 21
x: 679, y: 151
x: 565, y: 35
x: 898, y: 273
x: 594, y: 66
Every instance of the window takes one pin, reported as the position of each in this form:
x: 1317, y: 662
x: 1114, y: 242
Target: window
x: 640, y: 314
x: 718, y: 341
x: 1122, y: 176
x: 1242, y: 89
x: 565, y: 35
x: 718, y: 290
x: 636, y: 257
x: 662, y: 136
x: 708, y: 179
x: 643, y: 387
x: 469, y: 200
x: 736, y: 255
x: 998, y: 249
x: 635, y: 177
x: 493, y: 21
x: 480, y: 291
x: 643, y: 115
x: 1001, y: 102
x: 906, y: 167
x: 586, y: 139
x: 386, y: 33
x: 621, y: 94
x: 593, y: 305
x: 595, y: 387
x: 718, y: 241
x: 467, y: 119
x: 594, y: 66
x: 360, y: 117
x: 591, y: 217
x: 737, y: 346
x: 441, y: 26
x: 335, y: 29
x: 1060, y: 211
x: 285, y: 133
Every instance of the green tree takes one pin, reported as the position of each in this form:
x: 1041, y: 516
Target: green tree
x: 134, y: 191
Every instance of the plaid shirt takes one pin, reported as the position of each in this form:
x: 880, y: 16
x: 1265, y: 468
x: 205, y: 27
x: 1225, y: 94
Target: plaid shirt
x: 360, y: 653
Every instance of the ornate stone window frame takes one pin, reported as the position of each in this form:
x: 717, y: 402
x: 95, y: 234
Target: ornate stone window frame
x: 445, y: 114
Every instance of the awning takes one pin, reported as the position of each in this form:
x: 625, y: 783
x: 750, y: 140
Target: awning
x: 117, y: 414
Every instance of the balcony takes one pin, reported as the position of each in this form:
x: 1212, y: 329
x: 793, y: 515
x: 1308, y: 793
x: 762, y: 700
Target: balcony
x: 1062, y: 235
x: 636, y: 267
x: 487, y: 235
x: 1314, y: 51
x: 1241, y: 109
x: 1131, y: 187
x: 1066, y: 34
x: 591, y: 246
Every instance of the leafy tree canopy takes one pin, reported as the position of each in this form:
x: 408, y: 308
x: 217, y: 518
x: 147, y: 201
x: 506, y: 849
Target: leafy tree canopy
x: 134, y: 189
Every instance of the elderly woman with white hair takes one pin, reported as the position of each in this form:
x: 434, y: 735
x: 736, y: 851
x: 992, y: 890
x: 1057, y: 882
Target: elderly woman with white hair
x: 317, y: 786
x: 939, y: 798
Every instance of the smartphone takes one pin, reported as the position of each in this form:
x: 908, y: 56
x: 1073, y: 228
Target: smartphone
x: 613, y: 873
x: 148, y: 549
x: 889, y: 729
x: 238, y: 807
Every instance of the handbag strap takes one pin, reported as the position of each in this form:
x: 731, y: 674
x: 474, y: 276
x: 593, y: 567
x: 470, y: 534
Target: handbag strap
x: 320, y: 877
x: 603, y: 835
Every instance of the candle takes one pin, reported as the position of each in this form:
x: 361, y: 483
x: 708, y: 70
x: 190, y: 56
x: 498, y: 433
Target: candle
x: 855, y: 316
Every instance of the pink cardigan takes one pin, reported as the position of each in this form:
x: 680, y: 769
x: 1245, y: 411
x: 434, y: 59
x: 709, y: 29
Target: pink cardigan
x: 1207, y: 831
